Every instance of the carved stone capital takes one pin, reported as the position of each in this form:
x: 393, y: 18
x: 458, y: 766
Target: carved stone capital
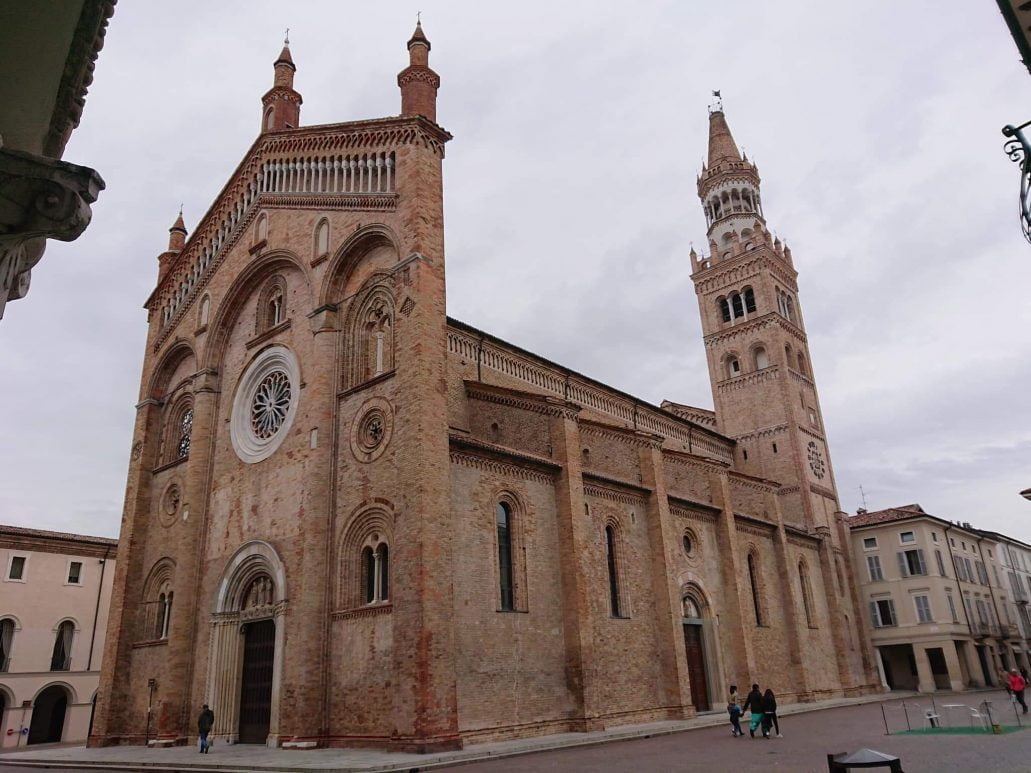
x: 40, y: 198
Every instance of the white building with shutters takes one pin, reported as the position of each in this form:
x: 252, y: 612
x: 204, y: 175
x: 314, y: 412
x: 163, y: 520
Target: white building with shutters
x: 55, y: 590
x: 942, y: 610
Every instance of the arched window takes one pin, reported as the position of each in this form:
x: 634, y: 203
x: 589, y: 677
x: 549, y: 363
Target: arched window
x: 321, y: 239
x: 268, y: 119
x: 506, y: 579
x: 737, y: 305
x: 271, y: 304
x: 610, y: 554
x: 205, y: 310
x: 790, y: 308
x: 371, y: 337
x: 6, y: 641
x: 724, y: 309
x: 807, y: 595
x: 184, y: 427
x: 733, y: 367
x: 749, y: 295
x: 261, y: 229
x: 375, y: 573
x: 761, y: 358
x: 801, y: 365
x: 61, y: 658
x: 753, y: 579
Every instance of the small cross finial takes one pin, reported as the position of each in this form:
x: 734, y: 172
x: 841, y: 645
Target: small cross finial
x: 180, y: 209
x: 286, y: 37
x: 418, y: 17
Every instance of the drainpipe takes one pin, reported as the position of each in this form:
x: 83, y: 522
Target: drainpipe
x: 96, y: 609
x: 959, y: 588
x: 991, y: 592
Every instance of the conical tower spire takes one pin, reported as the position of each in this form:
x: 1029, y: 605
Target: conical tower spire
x: 177, y: 233
x: 729, y: 184
x: 721, y: 142
x: 281, y: 105
x: 418, y: 82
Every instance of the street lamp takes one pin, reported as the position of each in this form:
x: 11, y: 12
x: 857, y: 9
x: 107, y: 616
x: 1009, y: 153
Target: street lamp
x: 1019, y: 151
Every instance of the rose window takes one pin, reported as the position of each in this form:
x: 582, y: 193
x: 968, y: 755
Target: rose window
x: 270, y: 405
x: 265, y: 404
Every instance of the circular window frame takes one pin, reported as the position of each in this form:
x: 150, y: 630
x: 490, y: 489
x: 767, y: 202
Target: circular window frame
x: 171, y: 504
x: 362, y: 447
x: 250, y: 447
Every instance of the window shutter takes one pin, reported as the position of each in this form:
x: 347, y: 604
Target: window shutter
x: 891, y: 609
x: 903, y: 569
x: 920, y: 559
x: 875, y: 618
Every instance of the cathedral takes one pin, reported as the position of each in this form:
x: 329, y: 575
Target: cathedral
x: 352, y: 520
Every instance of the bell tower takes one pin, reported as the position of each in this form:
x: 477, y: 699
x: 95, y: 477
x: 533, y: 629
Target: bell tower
x: 758, y: 354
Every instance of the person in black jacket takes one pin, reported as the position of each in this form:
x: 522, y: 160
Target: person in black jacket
x: 769, y: 704
x: 754, y: 704
x: 204, y: 724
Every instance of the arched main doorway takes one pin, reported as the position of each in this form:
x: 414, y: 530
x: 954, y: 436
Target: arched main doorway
x: 48, y: 712
x: 247, y: 639
x: 694, y: 649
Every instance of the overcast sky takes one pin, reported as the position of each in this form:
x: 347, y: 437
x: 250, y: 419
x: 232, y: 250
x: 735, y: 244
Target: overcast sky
x: 570, y: 208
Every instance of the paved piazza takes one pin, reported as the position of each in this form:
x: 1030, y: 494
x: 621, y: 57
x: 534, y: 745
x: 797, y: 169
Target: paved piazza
x: 808, y: 738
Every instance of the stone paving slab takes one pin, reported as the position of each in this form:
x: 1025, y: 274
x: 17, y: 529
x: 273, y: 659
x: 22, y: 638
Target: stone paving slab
x: 232, y: 758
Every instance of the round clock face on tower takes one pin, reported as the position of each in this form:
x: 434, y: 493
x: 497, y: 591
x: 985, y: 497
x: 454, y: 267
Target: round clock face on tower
x: 816, y: 463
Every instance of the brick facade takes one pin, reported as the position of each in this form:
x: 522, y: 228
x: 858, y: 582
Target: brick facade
x: 369, y: 533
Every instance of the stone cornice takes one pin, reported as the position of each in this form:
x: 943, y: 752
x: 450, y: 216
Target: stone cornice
x: 763, y: 432
x: 26, y: 540
x: 687, y: 508
x: 756, y: 526
x: 634, y: 437
x: 770, y: 318
x: 769, y: 373
x: 359, y: 202
x: 698, y: 462
x: 526, y: 401
x: 598, y: 485
x: 751, y: 481
x: 469, y: 452
x: 724, y: 273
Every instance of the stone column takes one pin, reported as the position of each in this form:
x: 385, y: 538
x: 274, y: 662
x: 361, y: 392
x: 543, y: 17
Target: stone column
x: 880, y: 668
x: 302, y: 712
x: 574, y: 543
x: 223, y: 692
x: 923, y: 669
x: 952, y: 663
x: 663, y: 537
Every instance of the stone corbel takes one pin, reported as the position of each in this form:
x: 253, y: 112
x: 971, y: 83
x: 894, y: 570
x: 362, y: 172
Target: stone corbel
x: 40, y: 198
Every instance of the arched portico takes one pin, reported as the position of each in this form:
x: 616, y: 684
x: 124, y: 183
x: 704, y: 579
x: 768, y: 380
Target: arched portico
x: 247, y: 646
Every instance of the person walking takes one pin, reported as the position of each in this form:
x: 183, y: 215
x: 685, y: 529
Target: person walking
x: 734, y: 709
x: 204, y: 724
x: 754, y: 704
x: 1017, y: 685
x: 769, y: 704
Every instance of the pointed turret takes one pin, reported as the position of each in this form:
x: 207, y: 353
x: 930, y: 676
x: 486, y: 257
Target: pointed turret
x: 729, y: 183
x: 177, y: 233
x: 418, y: 82
x: 721, y: 142
x: 176, y: 242
x: 281, y: 106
